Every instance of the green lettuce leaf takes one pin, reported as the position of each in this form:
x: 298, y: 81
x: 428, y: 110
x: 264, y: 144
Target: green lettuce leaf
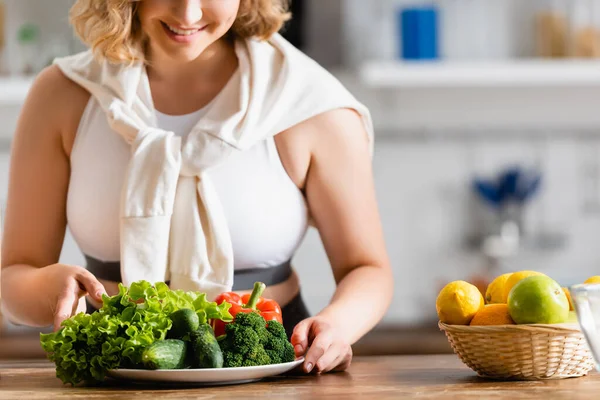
x: 88, y: 345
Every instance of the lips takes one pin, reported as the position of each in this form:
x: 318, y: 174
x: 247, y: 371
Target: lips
x: 182, y: 35
x: 181, y: 31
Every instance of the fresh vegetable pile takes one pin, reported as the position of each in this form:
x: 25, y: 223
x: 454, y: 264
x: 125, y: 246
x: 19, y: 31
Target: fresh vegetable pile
x: 153, y: 327
x: 256, y: 335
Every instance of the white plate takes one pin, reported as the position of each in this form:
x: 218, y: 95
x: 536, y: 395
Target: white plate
x: 211, y: 376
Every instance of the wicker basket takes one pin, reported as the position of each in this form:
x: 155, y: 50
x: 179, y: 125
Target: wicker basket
x: 522, y: 352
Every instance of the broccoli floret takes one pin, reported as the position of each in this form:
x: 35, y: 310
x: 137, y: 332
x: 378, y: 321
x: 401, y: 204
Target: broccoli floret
x: 248, y: 341
x: 277, y: 345
x: 258, y: 356
x: 232, y: 359
x: 242, y: 344
x: 252, y: 320
x: 244, y: 339
x: 289, y: 354
x: 274, y: 356
x: 276, y: 329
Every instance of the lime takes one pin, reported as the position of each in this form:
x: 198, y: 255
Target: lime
x: 538, y: 300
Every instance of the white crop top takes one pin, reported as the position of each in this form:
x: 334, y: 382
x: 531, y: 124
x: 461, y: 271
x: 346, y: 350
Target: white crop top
x: 266, y: 213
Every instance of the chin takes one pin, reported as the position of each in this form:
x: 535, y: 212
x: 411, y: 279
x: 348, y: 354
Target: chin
x: 187, y: 55
x: 185, y: 52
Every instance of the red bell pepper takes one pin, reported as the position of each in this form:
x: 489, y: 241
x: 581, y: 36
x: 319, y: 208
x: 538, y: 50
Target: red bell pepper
x: 267, y: 308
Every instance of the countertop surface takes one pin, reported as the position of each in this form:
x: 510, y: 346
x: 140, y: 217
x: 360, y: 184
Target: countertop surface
x: 378, y: 377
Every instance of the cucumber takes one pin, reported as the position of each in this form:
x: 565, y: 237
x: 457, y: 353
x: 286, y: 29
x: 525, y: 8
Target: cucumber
x: 165, y: 354
x: 185, y: 321
x: 206, y: 352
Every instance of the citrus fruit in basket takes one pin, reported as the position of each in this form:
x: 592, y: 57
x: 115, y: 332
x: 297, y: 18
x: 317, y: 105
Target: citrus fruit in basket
x: 495, y: 291
x: 458, y: 302
x: 592, y: 280
x: 515, y: 278
x: 538, y: 300
x: 568, y: 294
x: 493, y: 314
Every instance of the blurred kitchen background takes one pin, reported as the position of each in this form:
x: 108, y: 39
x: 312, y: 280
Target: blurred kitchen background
x: 487, y: 153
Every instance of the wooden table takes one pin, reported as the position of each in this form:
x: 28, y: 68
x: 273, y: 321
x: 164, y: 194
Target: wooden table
x: 424, y: 377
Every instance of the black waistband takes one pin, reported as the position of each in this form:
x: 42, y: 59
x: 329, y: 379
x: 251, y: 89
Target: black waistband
x: 243, y: 279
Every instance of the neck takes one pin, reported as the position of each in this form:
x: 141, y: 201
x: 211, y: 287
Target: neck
x: 164, y: 69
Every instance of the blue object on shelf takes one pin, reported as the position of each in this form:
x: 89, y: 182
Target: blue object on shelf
x: 509, y: 182
x: 419, y: 33
x: 514, y: 184
x: 527, y: 186
x: 489, y: 192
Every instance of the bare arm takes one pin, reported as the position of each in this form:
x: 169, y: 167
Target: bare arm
x: 35, y: 215
x: 341, y: 196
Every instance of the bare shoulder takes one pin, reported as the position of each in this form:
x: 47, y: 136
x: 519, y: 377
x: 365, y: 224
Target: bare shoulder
x: 335, y: 134
x: 57, y: 102
x: 54, y: 91
x: 341, y: 129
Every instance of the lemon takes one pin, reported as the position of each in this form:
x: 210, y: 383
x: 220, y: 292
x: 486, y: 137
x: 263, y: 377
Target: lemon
x: 592, y: 280
x: 458, y: 302
x: 515, y: 278
x: 568, y: 294
x: 495, y: 291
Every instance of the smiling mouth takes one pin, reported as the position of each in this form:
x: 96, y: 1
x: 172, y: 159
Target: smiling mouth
x: 181, y: 32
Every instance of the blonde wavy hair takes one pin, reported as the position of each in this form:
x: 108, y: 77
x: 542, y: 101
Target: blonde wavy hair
x: 111, y: 27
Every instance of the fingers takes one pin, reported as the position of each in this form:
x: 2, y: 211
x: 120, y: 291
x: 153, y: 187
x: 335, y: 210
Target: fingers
x: 91, y: 284
x: 65, y: 306
x: 327, y: 360
x: 81, y: 306
x: 325, y: 353
x: 300, y: 337
x: 344, y: 362
x: 319, y: 347
x: 338, y: 357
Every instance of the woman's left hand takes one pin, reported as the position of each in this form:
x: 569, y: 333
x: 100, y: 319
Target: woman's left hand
x: 327, y: 349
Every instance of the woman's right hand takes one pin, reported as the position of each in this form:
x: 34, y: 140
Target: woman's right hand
x: 65, y: 285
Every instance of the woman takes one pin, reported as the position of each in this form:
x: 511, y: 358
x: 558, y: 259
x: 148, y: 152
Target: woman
x: 132, y: 120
